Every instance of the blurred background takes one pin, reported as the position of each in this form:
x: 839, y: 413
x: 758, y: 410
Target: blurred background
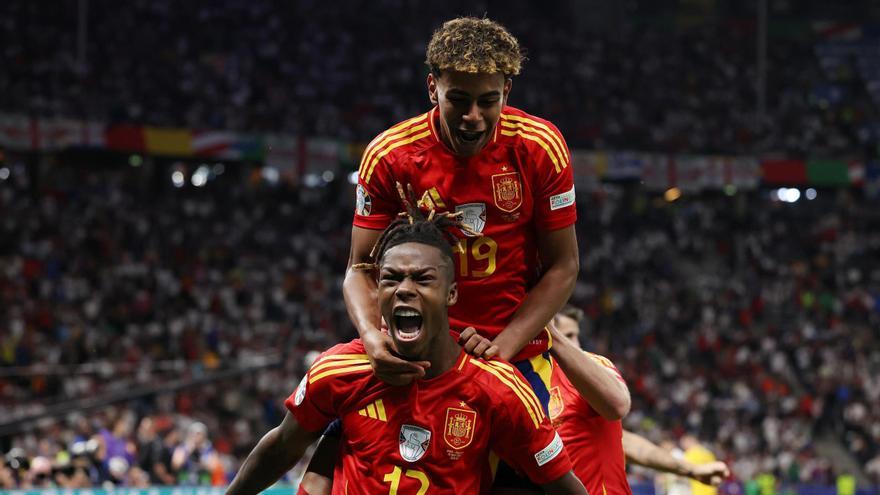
x: 176, y: 198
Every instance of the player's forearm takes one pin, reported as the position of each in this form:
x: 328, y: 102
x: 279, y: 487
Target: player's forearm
x: 568, y: 484
x: 639, y: 450
x: 547, y: 297
x: 269, y: 460
x: 595, y: 383
x: 359, y: 292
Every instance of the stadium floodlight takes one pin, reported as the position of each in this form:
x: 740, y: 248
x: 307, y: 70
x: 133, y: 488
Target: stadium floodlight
x: 200, y: 177
x: 793, y: 195
x: 4, y: 173
x: 328, y: 176
x: 353, y: 178
x: 672, y: 194
x: 178, y: 179
x: 811, y: 194
x: 271, y: 175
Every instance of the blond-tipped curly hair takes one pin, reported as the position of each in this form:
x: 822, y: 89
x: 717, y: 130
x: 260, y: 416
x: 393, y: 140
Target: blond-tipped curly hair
x: 469, y: 44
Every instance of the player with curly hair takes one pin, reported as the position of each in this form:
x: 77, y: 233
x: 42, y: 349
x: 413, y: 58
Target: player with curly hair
x: 509, y: 175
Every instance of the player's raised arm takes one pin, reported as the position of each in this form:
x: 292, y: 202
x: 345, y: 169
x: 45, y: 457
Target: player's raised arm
x: 639, y: 450
x: 600, y: 385
x: 558, y: 252
x: 275, y: 454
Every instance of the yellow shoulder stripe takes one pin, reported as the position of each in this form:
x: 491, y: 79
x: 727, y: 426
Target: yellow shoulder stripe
x: 540, y: 141
x: 535, y: 419
x: 338, y: 371
x: 404, y: 129
x: 337, y: 357
x: 507, y: 370
x: 540, y: 125
x: 336, y: 363
x: 398, y: 144
x: 547, y: 139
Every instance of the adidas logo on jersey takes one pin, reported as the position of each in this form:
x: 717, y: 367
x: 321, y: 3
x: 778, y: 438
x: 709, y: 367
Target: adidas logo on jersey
x: 375, y: 410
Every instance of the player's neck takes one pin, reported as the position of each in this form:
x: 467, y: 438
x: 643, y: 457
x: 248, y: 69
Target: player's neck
x: 442, y: 356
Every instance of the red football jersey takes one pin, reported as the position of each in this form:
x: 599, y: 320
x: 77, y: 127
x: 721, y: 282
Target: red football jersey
x: 434, y: 434
x: 594, y: 444
x: 519, y: 185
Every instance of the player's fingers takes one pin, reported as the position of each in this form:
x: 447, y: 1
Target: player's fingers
x: 491, y: 352
x: 466, y: 334
x: 482, y: 346
x: 471, y: 344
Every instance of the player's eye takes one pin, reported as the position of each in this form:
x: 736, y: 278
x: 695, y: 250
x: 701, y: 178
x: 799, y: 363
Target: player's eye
x: 489, y: 102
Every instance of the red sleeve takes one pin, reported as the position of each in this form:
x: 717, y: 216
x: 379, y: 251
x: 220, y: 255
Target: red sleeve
x: 554, y: 187
x: 377, y: 202
x: 605, y: 362
x: 535, y: 449
x: 316, y: 401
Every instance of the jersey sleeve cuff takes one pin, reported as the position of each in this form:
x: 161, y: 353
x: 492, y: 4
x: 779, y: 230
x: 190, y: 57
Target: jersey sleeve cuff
x: 373, y: 222
x: 558, y: 223
x: 313, y: 423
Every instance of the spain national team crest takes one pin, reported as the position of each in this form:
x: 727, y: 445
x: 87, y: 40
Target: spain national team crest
x: 414, y: 442
x: 507, y: 191
x: 556, y: 404
x: 473, y: 216
x: 459, y: 430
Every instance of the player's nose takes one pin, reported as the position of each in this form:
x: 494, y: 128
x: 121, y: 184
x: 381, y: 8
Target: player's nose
x: 473, y: 115
x: 405, y: 290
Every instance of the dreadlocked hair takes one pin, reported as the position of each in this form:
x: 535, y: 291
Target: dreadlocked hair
x: 412, y: 225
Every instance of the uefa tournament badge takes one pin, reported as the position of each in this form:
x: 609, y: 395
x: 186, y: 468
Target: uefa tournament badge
x: 414, y: 442
x: 473, y: 216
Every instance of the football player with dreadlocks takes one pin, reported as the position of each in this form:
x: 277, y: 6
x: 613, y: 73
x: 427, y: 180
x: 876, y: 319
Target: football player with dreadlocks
x: 436, y: 433
x: 509, y: 175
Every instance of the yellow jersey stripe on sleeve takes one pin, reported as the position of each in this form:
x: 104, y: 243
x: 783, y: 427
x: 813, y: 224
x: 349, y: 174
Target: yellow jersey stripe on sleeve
x: 371, y: 147
x: 519, y: 394
x: 322, y: 365
x: 524, y: 387
x: 541, y: 142
x: 338, y: 371
x: 553, y: 134
x: 370, y: 153
x: 560, y: 153
x: 397, y: 144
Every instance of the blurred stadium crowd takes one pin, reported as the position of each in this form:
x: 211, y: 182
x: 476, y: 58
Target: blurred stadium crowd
x: 749, y: 322
x: 260, y: 66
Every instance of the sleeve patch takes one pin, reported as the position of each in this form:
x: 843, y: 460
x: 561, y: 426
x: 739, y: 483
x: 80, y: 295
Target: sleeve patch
x: 364, y: 202
x: 562, y: 200
x: 549, y: 452
x: 301, y: 391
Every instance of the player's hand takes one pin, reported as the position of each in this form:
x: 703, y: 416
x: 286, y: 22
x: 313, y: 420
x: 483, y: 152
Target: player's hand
x: 477, y: 345
x: 386, y: 365
x: 712, y: 473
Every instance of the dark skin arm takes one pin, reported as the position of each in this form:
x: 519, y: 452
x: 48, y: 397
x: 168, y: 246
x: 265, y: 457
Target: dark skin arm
x: 361, y: 300
x: 568, y: 484
x: 558, y: 252
x: 275, y: 454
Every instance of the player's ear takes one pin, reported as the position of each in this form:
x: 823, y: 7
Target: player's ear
x: 432, y: 89
x: 508, y: 83
x: 452, y: 296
